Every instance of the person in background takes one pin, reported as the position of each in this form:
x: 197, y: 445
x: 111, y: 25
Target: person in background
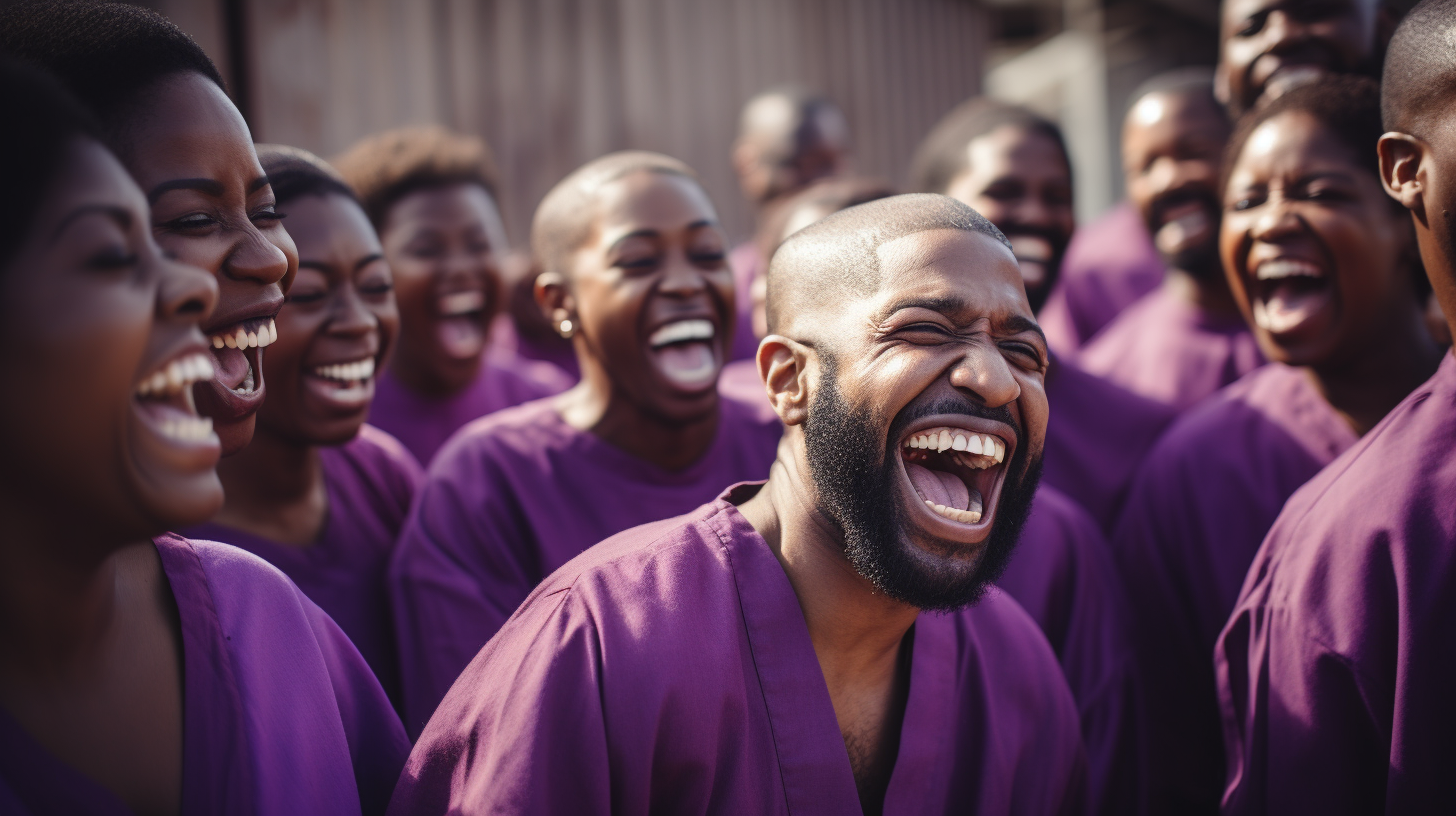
x: 318, y: 493
x: 635, y: 272
x: 1186, y: 339
x: 1335, y: 669
x: 788, y: 138
x: 521, y: 330
x: 1324, y: 266
x: 431, y: 196
x: 141, y: 672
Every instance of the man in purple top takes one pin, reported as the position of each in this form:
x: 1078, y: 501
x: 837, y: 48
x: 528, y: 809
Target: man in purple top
x: 905, y: 362
x: 1109, y: 265
x: 634, y: 269
x: 1323, y: 264
x: 1185, y: 340
x: 1334, y: 671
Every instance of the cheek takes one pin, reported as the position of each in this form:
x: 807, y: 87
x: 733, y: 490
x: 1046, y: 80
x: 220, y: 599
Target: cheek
x: 388, y: 320
x: 413, y: 284
x: 205, y: 252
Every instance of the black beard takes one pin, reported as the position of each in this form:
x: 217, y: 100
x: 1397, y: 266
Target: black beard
x: 857, y: 491
x: 1202, y: 263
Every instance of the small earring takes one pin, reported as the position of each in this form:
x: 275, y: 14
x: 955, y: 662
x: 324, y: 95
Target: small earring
x: 566, y: 328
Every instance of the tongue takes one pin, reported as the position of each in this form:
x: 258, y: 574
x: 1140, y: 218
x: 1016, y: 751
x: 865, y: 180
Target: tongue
x: 232, y: 366
x: 688, y: 364
x: 1289, y: 305
x: 945, y: 489
x: 460, y: 337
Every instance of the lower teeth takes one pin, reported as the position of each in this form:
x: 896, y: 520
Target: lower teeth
x: 969, y: 516
x: 248, y: 383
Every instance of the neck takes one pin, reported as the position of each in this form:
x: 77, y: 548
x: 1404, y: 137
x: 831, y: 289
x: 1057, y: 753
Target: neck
x: 418, y: 375
x: 596, y: 405
x: 1210, y: 294
x: 275, y: 489
x: 1364, y: 389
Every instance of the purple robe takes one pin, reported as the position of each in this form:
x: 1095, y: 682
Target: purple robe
x: 669, y: 670
x: 1062, y: 575
x: 747, y: 265
x: 423, y: 423
x: 1169, y: 350
x: 1097, y: 436
x: 1109, y: 265
x: 371, y: 482
x: 512, y: 498
x: 1335, y: 672
x: 280, y: 713
x: 1205, y: 499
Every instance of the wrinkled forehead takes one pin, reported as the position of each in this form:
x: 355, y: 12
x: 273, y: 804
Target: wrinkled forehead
x: 963, y: 275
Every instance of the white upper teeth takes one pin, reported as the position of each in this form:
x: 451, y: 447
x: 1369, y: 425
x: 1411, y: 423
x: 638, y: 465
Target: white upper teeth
x: 347, y: 372
x: 461, y: 303
x: 991, y: 449
x: 242, y: 338
x: 188, y: 429
x: 681, y: 331
x: 1287, y: 268
x: 179, y: 374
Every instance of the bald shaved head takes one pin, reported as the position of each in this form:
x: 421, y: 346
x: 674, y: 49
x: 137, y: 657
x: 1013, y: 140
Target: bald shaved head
x: 1420, y: 68
x: 815, y: 266
x: 563, y: 221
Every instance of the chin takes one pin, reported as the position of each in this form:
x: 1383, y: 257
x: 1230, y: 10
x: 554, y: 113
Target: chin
x: 235, y: 435
x: 177, y: 503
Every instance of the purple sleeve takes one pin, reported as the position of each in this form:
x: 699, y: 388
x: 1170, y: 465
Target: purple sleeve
x: 523, y: 731
x: 377, y: 742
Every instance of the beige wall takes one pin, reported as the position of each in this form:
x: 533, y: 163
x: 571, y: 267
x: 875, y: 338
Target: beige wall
x: 552, y: 83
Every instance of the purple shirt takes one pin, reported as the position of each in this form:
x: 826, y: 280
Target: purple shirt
x: 371, y: 481
x: 423, y: 423
x: 512, y: 498
x: 1205, y: 498
x: 1097, y: 436
x: 280, y: 713
x: 1109, y: 265
x: 1169, y: 350
x: 669, y: 670
x: 747, y: 265
x: 1335, y: 672
x: 1062, y: 575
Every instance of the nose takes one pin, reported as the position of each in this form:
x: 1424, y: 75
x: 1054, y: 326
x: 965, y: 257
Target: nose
x: 184, y: 292
x: 986, y: 376
x: 1277, y: 220
x: 256, y: 258
x: 681, y: 278
x: 350, y: 316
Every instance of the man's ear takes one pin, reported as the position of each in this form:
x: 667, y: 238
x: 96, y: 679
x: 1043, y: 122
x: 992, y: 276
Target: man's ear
x: 1402, y: 171
x: 781, y: 366
x: 556, y: 301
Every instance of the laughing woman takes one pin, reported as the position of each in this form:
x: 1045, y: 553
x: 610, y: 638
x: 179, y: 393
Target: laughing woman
x: 635, y: 274
x: 1324, y: 267
x: 141, y: 672
x: 318, y: 493
x: 165, y: 113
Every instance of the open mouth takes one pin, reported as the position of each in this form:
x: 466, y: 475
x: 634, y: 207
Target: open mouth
x: 685, y: 353
x: 460, y: 328
x: 1034, y: 256
x: 1183, y: 224
x: 1289, y: 294
x: 1288, y: 77
x: 349, y: 385
x: 236, y: 352
x: 955, y: 472
x: 164, y: 398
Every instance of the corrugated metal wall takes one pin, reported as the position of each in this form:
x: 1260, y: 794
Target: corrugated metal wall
x: 552, y: 83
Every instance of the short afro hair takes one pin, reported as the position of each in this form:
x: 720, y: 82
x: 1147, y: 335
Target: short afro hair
x: 105, y: 53
x: 564, y: 218
x: 388, y: 166
x: 943, y: 156
x: 1420, y: 68
x: 41, y: 122
x: 294, y: 173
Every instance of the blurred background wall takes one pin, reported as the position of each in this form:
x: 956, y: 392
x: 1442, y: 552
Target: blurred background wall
x: 552, y: 83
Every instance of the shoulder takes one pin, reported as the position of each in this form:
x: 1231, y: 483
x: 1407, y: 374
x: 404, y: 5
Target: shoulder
x: 378, y: 455
x: 520, y: 431
x: 751, y: 413
x: 1055, y: 515
x: 521, y: 380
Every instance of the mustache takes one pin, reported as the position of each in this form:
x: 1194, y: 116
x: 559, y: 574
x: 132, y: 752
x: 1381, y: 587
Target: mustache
x: 949, y: 406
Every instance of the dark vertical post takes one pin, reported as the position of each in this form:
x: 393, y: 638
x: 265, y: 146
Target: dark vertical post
x: 240, y: 80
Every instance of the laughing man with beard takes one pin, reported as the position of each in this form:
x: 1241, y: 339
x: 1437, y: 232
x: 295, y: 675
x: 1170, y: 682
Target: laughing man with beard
x: 1186, y: 339
x: 767, y: 653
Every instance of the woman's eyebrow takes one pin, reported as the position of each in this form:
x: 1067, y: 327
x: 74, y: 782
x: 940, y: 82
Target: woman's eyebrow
x: 202, y: 185
x: 118, y: 214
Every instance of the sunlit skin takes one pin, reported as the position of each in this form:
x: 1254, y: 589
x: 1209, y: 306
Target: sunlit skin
x: 90, y: 649
x: 340, y: 311
x: 1021, y: 182
x: 442, y: 242
x: 1172, y: 153
x: 950, y: 320
x: 1269, y: 46
x: 1297, y: 194
x: 192, y: 154
x: 656, y: 256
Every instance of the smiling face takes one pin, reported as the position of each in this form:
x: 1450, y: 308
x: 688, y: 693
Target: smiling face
x: 443, y: 245
x: 652, y: 294
x: 105, y: 340
x: 336, y: 327
x: 1315, y: 251
x: 1270, y: 46
x: 1172, y: 146
x: 925, y: 434
x: 1020, y: 180
x: 191, y: 153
